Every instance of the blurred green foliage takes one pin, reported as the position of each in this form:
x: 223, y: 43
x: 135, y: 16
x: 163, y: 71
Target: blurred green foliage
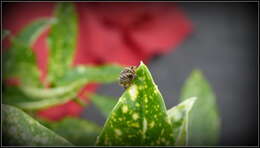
x: 103, y: 103
x: 204, y: 120
x: 78, y: 131
x: 19, y: 129
x: 62, y: 41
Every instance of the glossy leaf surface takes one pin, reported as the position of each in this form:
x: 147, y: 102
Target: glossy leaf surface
x: 139, y: 117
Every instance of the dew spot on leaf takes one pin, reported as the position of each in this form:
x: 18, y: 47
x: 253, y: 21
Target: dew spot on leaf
x: 151, y: 124
x: 118, y: 132
x: 124, y: 109
x: 135, y: 116
x: 133, y: 92
x: 135, y: 124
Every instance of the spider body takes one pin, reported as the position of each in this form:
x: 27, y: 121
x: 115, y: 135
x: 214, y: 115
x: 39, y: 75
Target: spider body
x: 126, y: 76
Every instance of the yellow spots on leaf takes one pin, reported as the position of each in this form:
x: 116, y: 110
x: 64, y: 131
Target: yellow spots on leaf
x: 142, y: 78
x: 114, y: 119
x: 135, y: 124
x: 124, y: 109
x: 137, y: 104
x: 113, y: 114
x: 144, y: 125
x: 135, y: 116
x: 146, y: 100
x: 118, y: 132
x: 133, y: 92
x: 140, y: 87
x: 157, y: 92
x: 151, y: 124
x: 168, y: 120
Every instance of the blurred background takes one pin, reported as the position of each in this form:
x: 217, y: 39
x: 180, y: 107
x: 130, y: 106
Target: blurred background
x: 224, y: 46
x: 221, y: 39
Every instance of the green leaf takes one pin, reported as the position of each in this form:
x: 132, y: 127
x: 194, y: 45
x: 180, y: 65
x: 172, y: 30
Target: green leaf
x: 19, y: 129
x: 80, y: 132
x: 75, y: 78
x: 30, y: 97
x: 139, y: 117
x: 14, y: 96
x: 31, y: 32
x: 45, y: 93
x: 20, y: 60
x: 104, y: 104
x: 204, y: 122
x: 101, y: 74
x: 179, y: 117
x: 62, y: 41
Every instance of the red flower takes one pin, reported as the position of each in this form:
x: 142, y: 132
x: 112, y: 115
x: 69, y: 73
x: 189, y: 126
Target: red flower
x: 124, y: 33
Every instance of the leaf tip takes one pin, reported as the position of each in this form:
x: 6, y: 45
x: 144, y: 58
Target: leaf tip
x: 193, y: 99
x: 190, y: 102
x: 197, y: 73
x: 142, y: 64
